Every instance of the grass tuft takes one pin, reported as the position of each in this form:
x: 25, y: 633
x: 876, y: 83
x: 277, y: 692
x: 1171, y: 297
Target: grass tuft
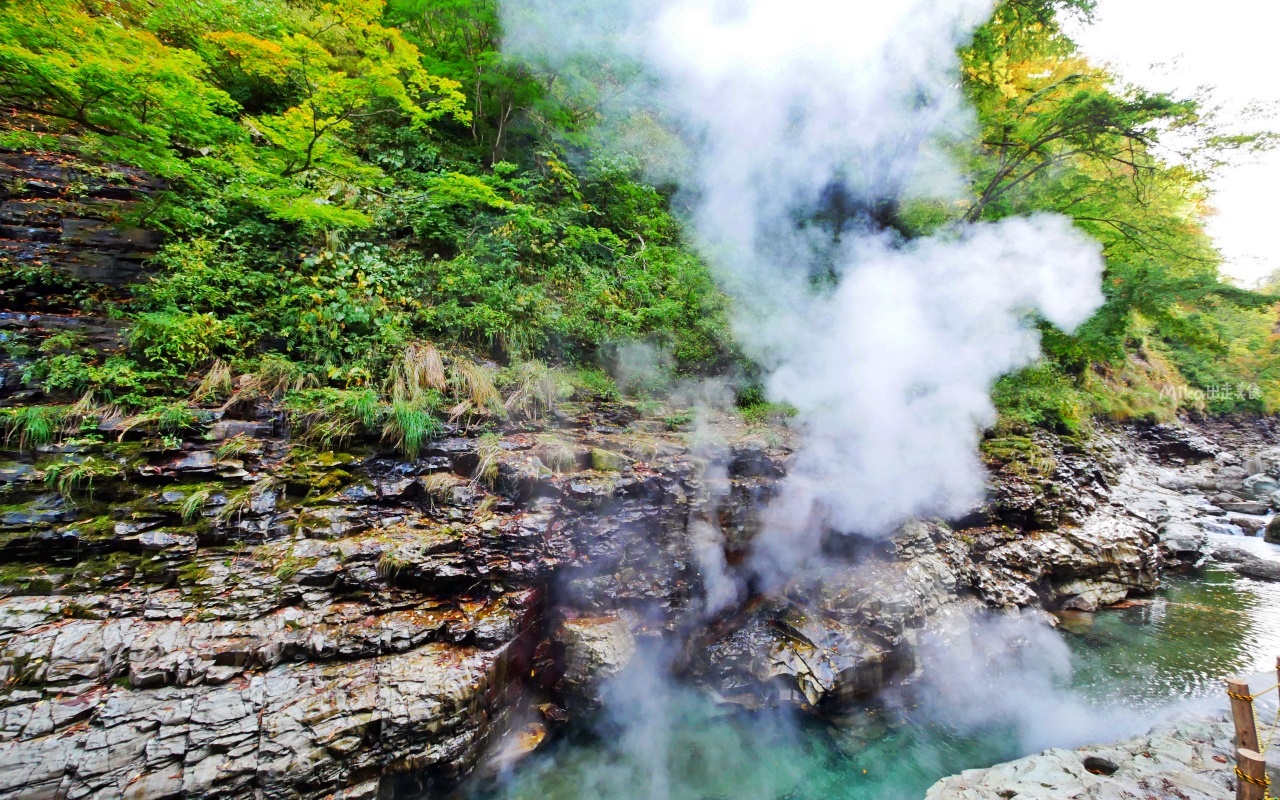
x: 235, y: 448
x: 559, y: 455
x: 418, y: 376
x: 474, y: 385
x: 194, y: 504
x: 535, y: 389
x: 216, y: 383
x: 409, y: 427
x: 276, y: 376
x: 489, y: 449
x: 32, y: 426
x: 70, y: 477
x: 439, y: 487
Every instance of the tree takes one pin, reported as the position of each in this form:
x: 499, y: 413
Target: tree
x: 110, y: 80
x: 340, y: 68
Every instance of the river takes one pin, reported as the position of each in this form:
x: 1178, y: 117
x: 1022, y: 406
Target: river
x: 1129, y: 667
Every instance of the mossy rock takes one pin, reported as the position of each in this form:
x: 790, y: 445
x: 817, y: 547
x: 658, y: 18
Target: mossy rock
x: 28, y: 578
x: 608, y: 461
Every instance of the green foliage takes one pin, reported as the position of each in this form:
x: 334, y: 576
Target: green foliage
x: 283, y: 130
x: 180, y: 342
x: 1041, y: 396
x: 31, y: 426
x: 409, y: 427
x: 261, y: 103
x: 115, y: 82
x: 117, y: 378
x: 71, y: 477
x: 593, y: 384
x: 1059, y: 135
x: 378, y: 221
x: 762, y: 413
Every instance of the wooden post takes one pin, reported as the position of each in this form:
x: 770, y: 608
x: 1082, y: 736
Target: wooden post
x: 1242, y: 713
x: 1251, y: 781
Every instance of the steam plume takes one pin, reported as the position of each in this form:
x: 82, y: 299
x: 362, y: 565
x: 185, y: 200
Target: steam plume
x: 808, y: 125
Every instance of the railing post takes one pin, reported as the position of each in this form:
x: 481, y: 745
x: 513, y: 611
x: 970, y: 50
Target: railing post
x: 1251, y: 775
x: 1242, y: 715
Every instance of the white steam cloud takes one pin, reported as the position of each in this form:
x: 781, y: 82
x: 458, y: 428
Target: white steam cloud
x: 892, y: 380
x: 807, y: 124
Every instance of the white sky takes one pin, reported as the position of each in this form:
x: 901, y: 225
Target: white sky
x: 1231, y: 45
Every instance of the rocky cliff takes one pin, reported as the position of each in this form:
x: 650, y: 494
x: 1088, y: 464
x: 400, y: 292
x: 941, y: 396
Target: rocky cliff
x: 238, y: 612
x: 231, y: 611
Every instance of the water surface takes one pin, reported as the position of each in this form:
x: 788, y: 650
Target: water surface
x: 1128, y: 667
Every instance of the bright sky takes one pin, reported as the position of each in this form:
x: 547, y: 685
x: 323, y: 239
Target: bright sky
x: 1231, y: 45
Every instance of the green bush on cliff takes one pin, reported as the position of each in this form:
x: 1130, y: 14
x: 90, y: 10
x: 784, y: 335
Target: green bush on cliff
x: 347, y: 178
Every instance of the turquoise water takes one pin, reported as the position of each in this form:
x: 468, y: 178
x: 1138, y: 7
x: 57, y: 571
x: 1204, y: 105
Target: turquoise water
x: 1127, y: 668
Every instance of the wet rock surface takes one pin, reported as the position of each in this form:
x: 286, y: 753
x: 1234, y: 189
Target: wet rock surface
x: 1190, y: 758
x: 270, y: 619
x: 595, y: 650
x: 1248, y: 564
x: 67, y: 215
x: 285, y: 622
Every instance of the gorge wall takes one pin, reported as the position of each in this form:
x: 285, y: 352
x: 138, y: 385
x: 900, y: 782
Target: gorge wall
x: 234, y: 611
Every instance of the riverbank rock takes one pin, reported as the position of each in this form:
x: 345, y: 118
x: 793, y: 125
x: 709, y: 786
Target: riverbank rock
x: 1183, y: 544
x: 1248, y: 564
x: 840, y: 634
x: 1178, y: 444
x: 1272, y: 532
x: 595, y: 650
x: 296, y: 623
x: 1188, y: 758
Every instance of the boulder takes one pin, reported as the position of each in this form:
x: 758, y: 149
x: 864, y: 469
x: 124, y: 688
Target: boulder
x: 155, y: 541
x: 1272, y: 531
x: 1260, y: 487
x: 1183, y: 543
x: 1251, y: 524
x: 1249, y: 564
x: 230, y: 428
x: 18, y: 473
x: 608, y: 460
x: 595, y: 649
x: 1190, y: 758
x: 1255, y: 508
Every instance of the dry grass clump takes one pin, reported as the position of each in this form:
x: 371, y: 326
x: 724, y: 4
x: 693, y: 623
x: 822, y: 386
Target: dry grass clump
x: 417, y: 374
x: 475, y: 387
x: 439, y: 487
x: 489, y: 449
x: 535, y: 389
x: 559, y: 455
x: 217, y: 382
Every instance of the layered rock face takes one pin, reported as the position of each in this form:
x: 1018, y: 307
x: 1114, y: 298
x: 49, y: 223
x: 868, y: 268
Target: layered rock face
x: 236, y: 612
x: 70, y: 216
x: 299, y: 623
x: 243, y: 613
x: 63, y: 233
